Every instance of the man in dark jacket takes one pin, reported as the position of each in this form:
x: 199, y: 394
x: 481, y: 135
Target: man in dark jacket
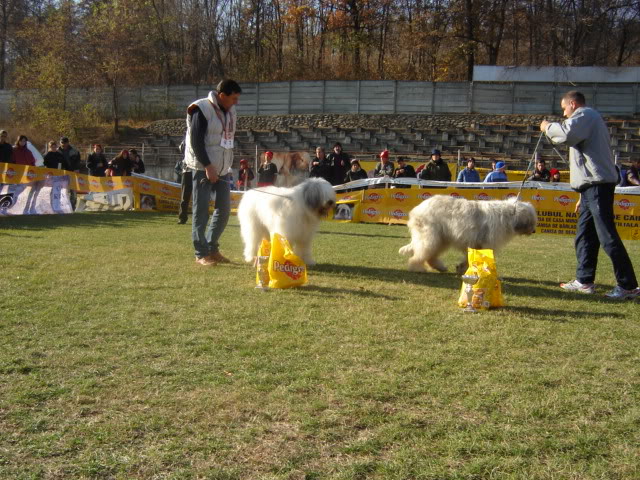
x: 320, y: 165
x: 541, y: 174
x: 404, y: 170
x: 70, y: 154
x: 5, y: 148
x: 436, y: 169
x: 340, y: 164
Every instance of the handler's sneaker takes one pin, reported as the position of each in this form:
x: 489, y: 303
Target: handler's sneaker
x: 619, y: 293
x: 218, y: 258
x: 206, y: 262
x: 576, y: 286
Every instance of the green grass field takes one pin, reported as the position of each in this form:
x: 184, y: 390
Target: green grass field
x: 121, y: 358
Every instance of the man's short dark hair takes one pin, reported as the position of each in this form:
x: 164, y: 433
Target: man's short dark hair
x: 574, y: 96
x: 228, y: 87
x: 337, y: 144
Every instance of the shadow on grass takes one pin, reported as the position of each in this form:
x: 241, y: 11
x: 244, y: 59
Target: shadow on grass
x: 350, y: 234
x: 361, y: 292
x: 521, y: 287
x: 557, y: 315
x: 88, y: 219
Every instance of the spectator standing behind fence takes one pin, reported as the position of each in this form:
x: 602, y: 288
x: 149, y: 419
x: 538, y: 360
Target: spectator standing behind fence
x: 592, y: 173
x: 137, y: 165
x: 554, y: 175
x: 498, y: 175
x: 541, y: 174
x: 21, y: 154
x: 71, y: 155
x: 245, y: 175
x: 340, y: 164
x: 53, y: 158
x: 385, y: 167
x: 436, y: 169
x: 6, y: 150
x: 320, y: 165
x: 119, y: 165
x: 633, y: 174
x: 97, y: 162
x: 356, y: 172
x: 267, y: 172
x: 469, y: 173
x: 404, y: 170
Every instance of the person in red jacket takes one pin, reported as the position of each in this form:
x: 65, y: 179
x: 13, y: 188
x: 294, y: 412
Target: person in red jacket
x: 21, y: 153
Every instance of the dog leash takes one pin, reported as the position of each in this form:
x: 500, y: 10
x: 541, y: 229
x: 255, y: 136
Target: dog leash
x: 526, y: 173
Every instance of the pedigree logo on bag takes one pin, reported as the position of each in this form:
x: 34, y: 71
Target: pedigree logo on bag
x: 286, y: 269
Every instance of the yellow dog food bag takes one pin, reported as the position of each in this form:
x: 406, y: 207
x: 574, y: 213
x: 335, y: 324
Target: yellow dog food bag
x: 262, y: 264
x: 487, y: 291
x: 286, y: 269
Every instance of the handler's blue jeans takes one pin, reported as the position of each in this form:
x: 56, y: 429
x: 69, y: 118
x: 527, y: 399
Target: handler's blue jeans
x: 596, y: 227
x: 206, y: 243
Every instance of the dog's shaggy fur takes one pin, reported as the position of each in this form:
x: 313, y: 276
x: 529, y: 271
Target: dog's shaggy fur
x: 292, y: 212
x: 441, y: 222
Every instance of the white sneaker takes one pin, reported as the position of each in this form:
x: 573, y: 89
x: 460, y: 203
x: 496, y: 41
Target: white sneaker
x: 576, y: 286
x: 619, y: 293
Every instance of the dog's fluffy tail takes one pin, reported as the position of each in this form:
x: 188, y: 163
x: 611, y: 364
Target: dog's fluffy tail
x: 407, y: 250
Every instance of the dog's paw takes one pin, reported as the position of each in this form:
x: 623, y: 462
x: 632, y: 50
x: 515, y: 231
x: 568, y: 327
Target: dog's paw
x: 416, y: 267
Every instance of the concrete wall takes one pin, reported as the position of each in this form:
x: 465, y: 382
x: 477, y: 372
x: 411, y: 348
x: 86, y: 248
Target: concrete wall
x: 356, y: 97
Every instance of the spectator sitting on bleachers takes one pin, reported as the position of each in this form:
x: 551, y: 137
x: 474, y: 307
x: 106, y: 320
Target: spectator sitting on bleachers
x: 541, y: 174
x: 436, y: 169
x: 554, y: 175
x: 267, y: 171
x: 404, y: 170
x: 320, y: 165
x: 355, y: 173
x: 385, y: 168
x: 53, y: 158
x: 498, y: 174
x: 340, y: 164
x: 469, y: 173
x: 633, y: 174
x: 245, y: 175
x: 97, y: 162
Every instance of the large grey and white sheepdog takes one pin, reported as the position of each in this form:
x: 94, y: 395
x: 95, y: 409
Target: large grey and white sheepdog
x: 292, y: 212
x: 442, y: 222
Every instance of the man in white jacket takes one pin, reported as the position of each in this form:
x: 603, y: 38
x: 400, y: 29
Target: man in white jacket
x: 211, y: 126
x: 594, y: 175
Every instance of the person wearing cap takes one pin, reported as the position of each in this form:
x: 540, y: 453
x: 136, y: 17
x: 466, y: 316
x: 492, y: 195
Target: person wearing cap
x: 356, y: 172
x: 340, y: 164
x: 71, y: 155
x: 469, y: 173
x: 385, y: 167
x: 96, y: 161
x: 245, y: 175
x: 209, y: 142
x: 592, y: 173
x: 554, y: 175
x: 541, y: 174
x: 320, y: 166
x: 6, y: 150
x: 436, y: 168
x: 267, y: 171
x: 498, y: 174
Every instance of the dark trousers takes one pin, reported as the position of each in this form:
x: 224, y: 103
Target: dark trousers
x: 596, y: 227
x: 185, y: 195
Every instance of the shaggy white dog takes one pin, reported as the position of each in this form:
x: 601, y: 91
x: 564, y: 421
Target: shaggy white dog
x: 441, y: 222
x: 292, y: 212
